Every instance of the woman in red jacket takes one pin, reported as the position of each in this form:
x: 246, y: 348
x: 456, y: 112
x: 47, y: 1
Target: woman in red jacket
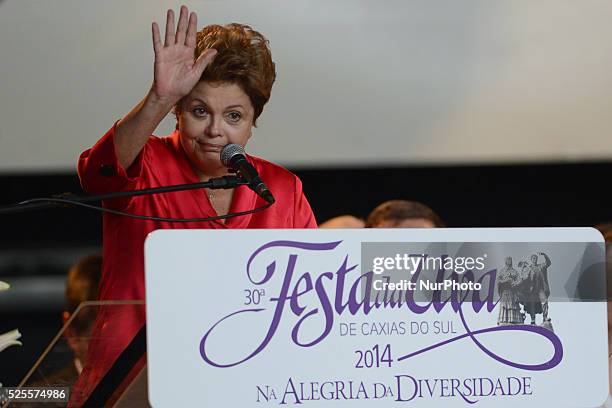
x: 217, y: 81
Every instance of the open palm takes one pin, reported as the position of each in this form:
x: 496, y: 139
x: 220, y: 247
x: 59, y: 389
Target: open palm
x: 175, y: 72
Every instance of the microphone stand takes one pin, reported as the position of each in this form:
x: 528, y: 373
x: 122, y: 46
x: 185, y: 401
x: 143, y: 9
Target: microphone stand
x: 224, y: 182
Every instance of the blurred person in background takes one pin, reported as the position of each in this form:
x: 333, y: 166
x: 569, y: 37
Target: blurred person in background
x: 343, y: 221
x: 81, y: 286
x: 403, y: 214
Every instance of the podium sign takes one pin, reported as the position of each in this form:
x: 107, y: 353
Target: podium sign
x: 377, y: 318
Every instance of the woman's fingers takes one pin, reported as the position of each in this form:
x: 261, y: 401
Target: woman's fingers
x: 192, y: 30
x: 203, y: 60
x: 170, y: 39
x: 182, y: 26
x: 185, y: 30
x: 157, y: 45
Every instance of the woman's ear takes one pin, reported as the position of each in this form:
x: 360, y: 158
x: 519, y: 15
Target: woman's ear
x: 176, y: 111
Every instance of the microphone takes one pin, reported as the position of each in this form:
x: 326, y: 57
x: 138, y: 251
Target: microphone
x: 232, y: 156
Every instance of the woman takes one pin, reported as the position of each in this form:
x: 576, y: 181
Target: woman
x: 217, y: 97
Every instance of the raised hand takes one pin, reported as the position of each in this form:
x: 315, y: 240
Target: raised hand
x: 175, y: 75
x: 175, y: 72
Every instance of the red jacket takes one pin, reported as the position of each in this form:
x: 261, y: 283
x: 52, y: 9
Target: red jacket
x: 162, y: 162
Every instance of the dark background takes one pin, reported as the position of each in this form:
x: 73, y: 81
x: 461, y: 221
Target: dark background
x: 465, y: 196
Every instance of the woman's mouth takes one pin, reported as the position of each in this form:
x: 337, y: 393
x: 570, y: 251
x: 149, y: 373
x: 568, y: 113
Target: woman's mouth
x: 210, y: 147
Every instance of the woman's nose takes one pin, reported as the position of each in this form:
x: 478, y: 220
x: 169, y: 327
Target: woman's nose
x: 214, y: 127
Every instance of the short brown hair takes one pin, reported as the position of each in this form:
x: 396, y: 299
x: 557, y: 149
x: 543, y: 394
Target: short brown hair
x: 83, y: 281
x: 606, y: 230
x: 243, y: 57
x: 399, y: 210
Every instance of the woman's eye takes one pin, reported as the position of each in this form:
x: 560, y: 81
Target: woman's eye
x: 234, y: 116
x: 199, y: 112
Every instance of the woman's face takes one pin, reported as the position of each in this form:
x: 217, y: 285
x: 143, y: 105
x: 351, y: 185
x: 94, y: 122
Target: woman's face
x: 211, y: 116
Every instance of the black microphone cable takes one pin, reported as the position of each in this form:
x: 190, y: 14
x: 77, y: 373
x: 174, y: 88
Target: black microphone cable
x: 70, y: 199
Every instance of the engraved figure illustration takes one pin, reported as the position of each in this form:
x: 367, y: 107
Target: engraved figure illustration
x: 508, y: 283
x: 531, y: 306
x: 535, y: 288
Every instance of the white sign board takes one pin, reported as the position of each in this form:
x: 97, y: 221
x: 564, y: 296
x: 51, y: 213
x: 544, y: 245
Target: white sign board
x: 377, y: 318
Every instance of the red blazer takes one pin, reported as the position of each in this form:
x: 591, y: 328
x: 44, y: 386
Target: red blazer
x: 162, y: 162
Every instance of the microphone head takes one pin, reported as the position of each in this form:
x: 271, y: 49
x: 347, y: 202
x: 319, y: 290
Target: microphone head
x: 229, y: 151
